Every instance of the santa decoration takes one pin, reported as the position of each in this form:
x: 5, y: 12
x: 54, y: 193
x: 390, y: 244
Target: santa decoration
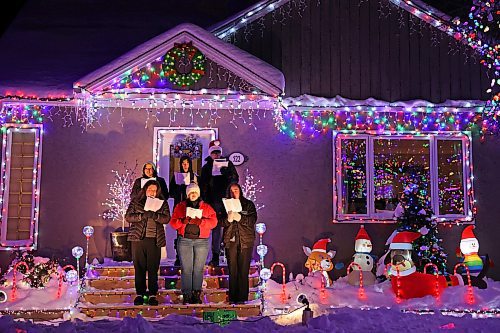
x: 320, y: 260
x: 363, y: 258
x: 469, y: 252
x: 406, y: 281
x: 469, y: 246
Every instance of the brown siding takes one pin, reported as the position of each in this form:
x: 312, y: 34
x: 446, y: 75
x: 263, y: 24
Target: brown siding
x: 341, y: 47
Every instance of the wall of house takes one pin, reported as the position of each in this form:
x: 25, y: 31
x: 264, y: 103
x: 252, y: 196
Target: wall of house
x: 358, y: 49
x: 296, y: 175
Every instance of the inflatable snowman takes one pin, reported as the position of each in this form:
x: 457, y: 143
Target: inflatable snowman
x: 363, y: 258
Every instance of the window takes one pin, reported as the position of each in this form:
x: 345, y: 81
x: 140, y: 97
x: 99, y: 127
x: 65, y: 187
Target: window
x: 20, y: 185
x: 372, y: 170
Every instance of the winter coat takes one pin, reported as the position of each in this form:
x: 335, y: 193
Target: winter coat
x: 243, y: 230
x: 213, y: 188
x: 135, y: 216
x: 178, y: 192
x: 206, y: 223
x: 136, y: 188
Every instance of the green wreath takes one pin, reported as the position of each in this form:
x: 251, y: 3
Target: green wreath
x: 194, y: 57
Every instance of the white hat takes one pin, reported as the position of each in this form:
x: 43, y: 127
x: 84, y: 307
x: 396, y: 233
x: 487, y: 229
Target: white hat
x: 193, y: 187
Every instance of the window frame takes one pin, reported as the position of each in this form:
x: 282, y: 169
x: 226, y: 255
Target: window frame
x: 8, y: 130
x: 433, y: 138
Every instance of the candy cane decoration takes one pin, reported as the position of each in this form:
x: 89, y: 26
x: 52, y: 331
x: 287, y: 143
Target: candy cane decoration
x: 398, y: 282
x: 61, y: 277
x: 437, y: 294
x: 283, y: 293
x: 361, y: 292
x: 322, y: 291
x: 14, y: 278
x: 470, y: 293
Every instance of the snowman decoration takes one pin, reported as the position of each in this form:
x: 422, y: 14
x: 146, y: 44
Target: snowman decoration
x: 362, y: 257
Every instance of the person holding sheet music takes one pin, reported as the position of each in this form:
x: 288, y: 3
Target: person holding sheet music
x: 216, y: 175
x: 148, y: 173
x: 193, y: 219
x: 239, y: 238
x: 147, y: 213
x: 178, y: 183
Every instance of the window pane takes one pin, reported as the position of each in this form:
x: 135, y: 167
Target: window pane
x: 354, y: 194
x: 450, y: 177
x: 399, y: 163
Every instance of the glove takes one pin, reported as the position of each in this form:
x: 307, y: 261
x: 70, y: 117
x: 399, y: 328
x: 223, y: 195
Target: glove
x: 223, y: 170
x: 230, y: 217
x: 186, y: 220
x: 196, y: 221
x: 148, y: 214
x: 237, y: 216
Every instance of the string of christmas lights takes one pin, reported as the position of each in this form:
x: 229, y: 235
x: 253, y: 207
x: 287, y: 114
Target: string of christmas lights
x: 251, y: 188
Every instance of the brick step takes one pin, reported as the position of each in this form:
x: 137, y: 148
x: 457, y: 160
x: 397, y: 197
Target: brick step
x: 112, y: 283
x: 195, y: 310
x: 35, y: 315
x: 164, y: 296
x: 122, y: 271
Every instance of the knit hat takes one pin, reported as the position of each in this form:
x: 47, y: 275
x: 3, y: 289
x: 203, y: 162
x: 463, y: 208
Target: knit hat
x: 214, y: 145
x: 320, y: 246
x: 362, y: 239
x: 193, y: 187
x: 403, y: 240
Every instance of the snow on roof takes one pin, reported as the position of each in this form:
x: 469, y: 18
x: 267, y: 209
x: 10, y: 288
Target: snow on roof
x: 417, y: 8
x: 243, y: 64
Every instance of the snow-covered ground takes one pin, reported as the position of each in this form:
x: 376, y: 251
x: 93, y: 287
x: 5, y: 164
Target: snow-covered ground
x: 337, y: 309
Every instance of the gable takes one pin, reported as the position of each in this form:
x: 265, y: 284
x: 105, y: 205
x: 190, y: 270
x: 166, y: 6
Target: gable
x: 147, y: 67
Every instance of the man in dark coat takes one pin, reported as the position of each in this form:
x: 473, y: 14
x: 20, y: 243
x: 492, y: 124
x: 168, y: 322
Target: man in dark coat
x: 213, y: 189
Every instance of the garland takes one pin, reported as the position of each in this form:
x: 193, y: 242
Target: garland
x: 184, y: 52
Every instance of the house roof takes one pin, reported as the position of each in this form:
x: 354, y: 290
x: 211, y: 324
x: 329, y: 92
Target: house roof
x: 250, y: 68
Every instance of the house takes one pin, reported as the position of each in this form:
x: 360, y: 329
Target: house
x: 328, y: 102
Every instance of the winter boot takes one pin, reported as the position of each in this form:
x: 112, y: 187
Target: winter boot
x: 139, y: 300
x: 187, y: 298
x: 153, y: 300
x: 197, y: 297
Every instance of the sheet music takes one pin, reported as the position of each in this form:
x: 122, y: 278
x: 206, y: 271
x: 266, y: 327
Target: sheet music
x: 232, y: 205
x: 218, y: 164
x: 153, y: 204
x: 194, y: 213
x: 182, y: 178
x: 145, y: 180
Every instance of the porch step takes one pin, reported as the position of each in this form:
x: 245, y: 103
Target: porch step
x: 164, y: 282
x: 164, y: 296
x: 122, y: 271
x: 195, y: 310
x: 35, y: 315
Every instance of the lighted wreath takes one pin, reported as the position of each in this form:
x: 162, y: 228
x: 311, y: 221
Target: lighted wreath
x: 184, y: 64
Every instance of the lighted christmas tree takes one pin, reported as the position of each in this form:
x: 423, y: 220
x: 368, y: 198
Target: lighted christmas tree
x: 251, y: 188
x: 119, y: 194
x: 412, y: 215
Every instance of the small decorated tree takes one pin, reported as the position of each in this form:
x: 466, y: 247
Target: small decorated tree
x: 251, y: 188
x: 119, y: 194
x: 413, y: 216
